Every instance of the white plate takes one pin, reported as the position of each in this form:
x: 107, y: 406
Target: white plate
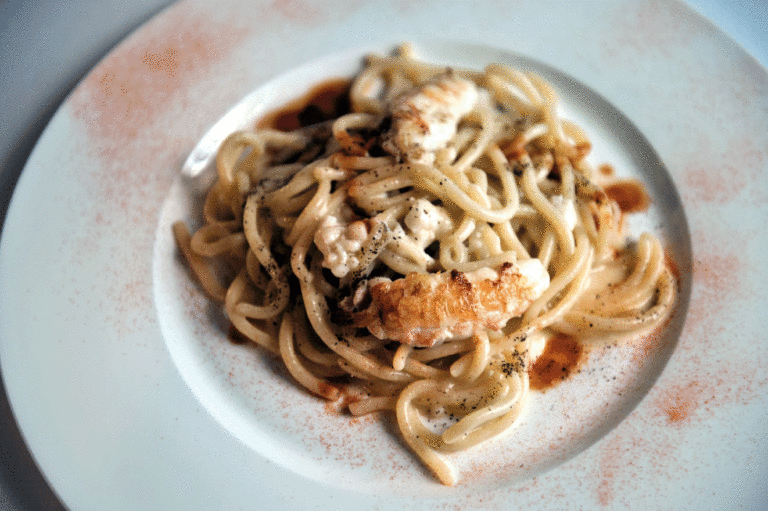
x: 130, y: 397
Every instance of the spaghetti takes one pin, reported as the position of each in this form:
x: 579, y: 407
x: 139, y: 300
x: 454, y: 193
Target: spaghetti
x: 419, y: 250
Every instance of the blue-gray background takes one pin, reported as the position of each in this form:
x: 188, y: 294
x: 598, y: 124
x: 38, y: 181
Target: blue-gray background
x: 47, y: 46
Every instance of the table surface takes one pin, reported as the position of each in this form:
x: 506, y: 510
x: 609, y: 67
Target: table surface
x: 47, y: 47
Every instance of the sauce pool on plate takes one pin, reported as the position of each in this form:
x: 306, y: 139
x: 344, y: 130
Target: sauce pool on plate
x: 324, y: 102
x: 561, y: 356
x: 630, y: 195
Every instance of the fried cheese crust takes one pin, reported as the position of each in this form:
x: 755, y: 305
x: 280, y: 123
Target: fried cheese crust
x: 427, y: 309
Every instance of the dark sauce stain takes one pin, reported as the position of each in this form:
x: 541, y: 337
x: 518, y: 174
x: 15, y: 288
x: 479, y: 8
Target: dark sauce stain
x: 606, y: 169
x: 235, y: 337
x: 630, y: 195
x: 327, y: 100
x: 561, y: 356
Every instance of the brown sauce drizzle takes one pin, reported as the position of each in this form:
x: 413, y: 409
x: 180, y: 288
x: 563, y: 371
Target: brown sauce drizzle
x: 560, y: 358
x: 606, y: 169
x: 235, y: 337
x: 327, y: 100
x: 630, y: 195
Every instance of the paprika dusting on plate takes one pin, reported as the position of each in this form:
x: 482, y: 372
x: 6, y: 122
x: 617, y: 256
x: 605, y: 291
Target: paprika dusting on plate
x: 560, y: 357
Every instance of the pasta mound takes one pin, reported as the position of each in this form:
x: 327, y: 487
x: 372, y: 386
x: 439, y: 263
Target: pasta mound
x: 421, y: 248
